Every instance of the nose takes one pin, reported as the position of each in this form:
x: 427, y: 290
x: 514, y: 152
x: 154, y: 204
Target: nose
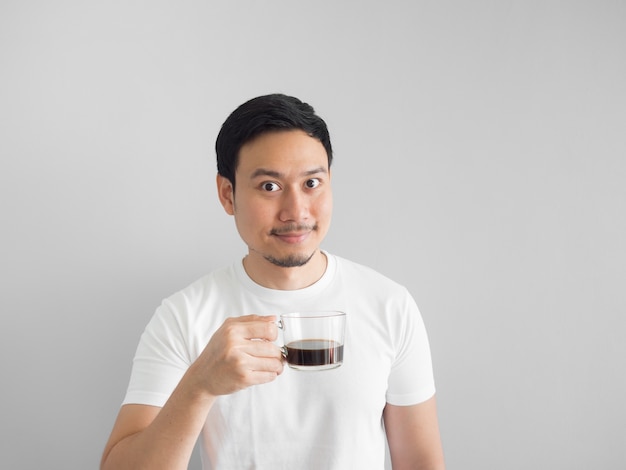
x: 294, y: 206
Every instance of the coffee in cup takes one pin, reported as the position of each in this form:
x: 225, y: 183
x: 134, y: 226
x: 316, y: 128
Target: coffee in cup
x: 313, y: 340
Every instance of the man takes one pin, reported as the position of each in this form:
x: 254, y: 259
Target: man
x: 208, y: 364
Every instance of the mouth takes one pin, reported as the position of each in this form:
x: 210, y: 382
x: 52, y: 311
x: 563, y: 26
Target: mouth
x: 293, y: 235
x: 293, y: 238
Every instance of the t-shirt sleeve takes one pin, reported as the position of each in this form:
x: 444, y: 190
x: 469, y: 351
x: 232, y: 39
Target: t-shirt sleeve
x: 411, y: 378
x: 161, y: 359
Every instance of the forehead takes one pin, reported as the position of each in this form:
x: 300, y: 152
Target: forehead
x: 283, y: 152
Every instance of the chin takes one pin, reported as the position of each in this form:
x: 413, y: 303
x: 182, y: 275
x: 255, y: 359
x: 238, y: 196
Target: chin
x: 290, y: 261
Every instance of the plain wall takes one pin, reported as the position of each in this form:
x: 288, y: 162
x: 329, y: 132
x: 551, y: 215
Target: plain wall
x: 480, y: 161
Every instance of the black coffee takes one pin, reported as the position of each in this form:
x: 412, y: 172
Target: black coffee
x: 314, y: 352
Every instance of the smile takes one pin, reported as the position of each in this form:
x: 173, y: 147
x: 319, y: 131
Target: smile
x: 293, y: 235
x: 292, y: 238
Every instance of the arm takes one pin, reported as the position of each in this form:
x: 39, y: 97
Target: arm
x: 153, y: 438
x: 413, y: 436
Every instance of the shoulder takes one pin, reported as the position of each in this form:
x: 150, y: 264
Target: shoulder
x: 195, y: 310
x: 200, y: 296
x: 216, y: 281
x: 367, y: 279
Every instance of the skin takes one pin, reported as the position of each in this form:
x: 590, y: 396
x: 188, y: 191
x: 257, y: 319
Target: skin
x: 147, y: 437
x: 282, y: 209
x: 413, y: 436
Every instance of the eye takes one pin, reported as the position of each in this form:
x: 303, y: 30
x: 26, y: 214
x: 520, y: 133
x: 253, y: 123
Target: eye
x: 270, y: 186
x: 312, y: 183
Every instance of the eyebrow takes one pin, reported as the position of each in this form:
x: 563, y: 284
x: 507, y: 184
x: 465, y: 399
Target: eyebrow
x: 276, y: 174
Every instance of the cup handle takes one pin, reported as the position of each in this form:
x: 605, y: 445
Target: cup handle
x: 281, y: 325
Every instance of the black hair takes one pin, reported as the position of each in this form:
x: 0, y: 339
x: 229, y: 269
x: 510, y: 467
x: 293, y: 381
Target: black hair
x: 269, y: 113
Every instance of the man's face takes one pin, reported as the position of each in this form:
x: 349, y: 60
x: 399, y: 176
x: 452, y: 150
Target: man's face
x: 283, y: 199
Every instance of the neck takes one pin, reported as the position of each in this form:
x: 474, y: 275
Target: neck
x: 267, y: 274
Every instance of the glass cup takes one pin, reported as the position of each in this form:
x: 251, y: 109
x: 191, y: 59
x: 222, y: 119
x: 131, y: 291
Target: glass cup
x: 313, y: 340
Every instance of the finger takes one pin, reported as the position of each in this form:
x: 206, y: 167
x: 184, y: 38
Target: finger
x: 262, y: 377
x: 262, y: 349
x: 251, y: 327
x: 253, y: 371
x: 261, y: 329
x: 263, y: 365
x: 253, y: 318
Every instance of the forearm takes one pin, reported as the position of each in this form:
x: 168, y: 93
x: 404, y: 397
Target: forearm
x: 168, y: 440
x: 146, y: 437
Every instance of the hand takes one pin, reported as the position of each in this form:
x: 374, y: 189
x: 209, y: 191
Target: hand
x: 239, y: 354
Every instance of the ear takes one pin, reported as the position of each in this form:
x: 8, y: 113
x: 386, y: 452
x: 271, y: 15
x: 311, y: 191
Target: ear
x: 226, y: 194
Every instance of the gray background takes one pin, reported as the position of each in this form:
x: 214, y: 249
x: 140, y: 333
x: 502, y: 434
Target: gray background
x: 480, y: 152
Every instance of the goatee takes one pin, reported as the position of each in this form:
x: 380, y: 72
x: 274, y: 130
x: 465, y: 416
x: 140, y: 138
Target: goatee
x: 291, y: 261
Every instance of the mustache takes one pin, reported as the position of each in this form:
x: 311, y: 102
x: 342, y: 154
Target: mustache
x: 291, y: 228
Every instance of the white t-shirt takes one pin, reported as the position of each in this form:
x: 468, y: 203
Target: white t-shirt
x: 303, y: 420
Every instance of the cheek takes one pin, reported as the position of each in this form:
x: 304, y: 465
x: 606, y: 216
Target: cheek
x: 325, y: 205
x: 253, y: 215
